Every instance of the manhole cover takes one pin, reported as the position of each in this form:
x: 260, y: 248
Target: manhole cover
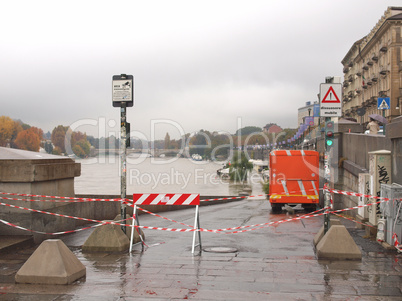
x: 221, y: 250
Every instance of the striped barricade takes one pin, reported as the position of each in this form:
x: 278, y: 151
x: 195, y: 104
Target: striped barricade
x: 189, y: 199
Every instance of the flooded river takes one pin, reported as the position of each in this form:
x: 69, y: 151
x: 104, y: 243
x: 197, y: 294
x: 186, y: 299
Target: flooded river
x: 159, y: 175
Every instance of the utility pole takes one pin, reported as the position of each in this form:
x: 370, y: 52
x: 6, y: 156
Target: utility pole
x: 330, y: 106
x: 123, y: 162
x: 329, y: 135
x: 123, y: 97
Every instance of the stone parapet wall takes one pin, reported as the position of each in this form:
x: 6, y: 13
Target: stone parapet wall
x: 37, y: 174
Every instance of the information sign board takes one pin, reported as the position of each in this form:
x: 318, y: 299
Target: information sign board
x: 123, y: 87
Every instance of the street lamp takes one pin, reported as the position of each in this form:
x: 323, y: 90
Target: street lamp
x: 309, y: 122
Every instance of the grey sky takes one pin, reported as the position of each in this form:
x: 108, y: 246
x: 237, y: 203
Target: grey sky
x: 200, y: 64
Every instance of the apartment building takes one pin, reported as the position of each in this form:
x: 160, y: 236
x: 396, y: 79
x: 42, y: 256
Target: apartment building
x: 373, y: 68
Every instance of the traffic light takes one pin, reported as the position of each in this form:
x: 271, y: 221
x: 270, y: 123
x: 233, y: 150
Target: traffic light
x: 329, y: 134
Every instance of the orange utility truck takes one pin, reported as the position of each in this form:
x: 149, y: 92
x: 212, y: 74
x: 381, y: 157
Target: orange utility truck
x: 293, y: 178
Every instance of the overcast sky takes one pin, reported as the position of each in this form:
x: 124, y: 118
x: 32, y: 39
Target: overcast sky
x: 212, y: 65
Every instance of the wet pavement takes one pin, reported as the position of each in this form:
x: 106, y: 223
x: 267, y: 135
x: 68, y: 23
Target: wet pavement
x: 273, y: 263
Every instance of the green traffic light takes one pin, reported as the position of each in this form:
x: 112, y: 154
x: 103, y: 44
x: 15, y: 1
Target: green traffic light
x: 329, y: 142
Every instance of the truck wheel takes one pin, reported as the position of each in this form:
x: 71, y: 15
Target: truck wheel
x: 276, y: 208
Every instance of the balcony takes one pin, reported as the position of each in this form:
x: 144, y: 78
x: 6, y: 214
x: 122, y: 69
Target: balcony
x: 374, y: 57
x: 370, y: 63
x: 358, y: 91
x: 374, y: 78
x: 383, y: 70
x: 350, y: 78
x: 354, y: 109
x: 350, y: 64
x: 366, y: 103
x: 364, y: 86
x: 365, y: 67
x: 345, y: 69
x: 384, y: 49
x: 358, y: 73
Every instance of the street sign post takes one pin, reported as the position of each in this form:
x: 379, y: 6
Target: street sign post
x: 330, y: 100
x: 330, y: 106
x: 123, y: 97
x: 123, y: 90
x: 383, y: 103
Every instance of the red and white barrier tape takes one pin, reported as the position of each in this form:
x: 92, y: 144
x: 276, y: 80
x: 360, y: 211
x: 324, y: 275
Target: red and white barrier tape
x: 63, y: 215
x: 232, y: 230
x: 397, y: 244
x: 337, y: 191
x: 46, y: 233
x: 259, y: 226
x: 394, y: 235
x: 58, y: 198
x: 62, y: 199
x: 65, y: 201
x: 352, y: 220
x: 165, y: 218
x: 181, y: 230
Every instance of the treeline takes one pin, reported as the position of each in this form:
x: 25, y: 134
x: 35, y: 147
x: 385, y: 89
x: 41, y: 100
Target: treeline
x: 16, y: 134
x: 212, y: 145
x: 62, y: 140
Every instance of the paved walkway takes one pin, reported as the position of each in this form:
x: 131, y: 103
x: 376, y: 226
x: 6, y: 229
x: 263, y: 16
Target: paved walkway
x: 272, y: 263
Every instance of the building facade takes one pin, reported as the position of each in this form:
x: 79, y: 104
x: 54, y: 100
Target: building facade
x: 306, y: 111
x: 373, y: 68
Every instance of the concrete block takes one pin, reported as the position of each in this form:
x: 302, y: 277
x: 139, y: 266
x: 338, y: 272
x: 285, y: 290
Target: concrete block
x: 320, y: 233
x: 128, y: 230
x: 107, y: 238
x: 51, y: 263
x: 338, y: 244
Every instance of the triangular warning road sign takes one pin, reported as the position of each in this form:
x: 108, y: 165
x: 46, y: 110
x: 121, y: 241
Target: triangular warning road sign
x: 383, y: 105
x: 330, y: 96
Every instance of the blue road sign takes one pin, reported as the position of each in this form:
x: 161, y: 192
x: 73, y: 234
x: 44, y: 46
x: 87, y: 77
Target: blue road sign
x: 316, y: 110
x: 383, y: 103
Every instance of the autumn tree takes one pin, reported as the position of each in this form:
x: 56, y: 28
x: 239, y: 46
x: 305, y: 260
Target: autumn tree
x: 38, y: 131
x: 29, y: 139
x: 58, y: 138
x: 64, y: 139
x: 78, y: 151
x: 81, y: 146
x: 9, y: 130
